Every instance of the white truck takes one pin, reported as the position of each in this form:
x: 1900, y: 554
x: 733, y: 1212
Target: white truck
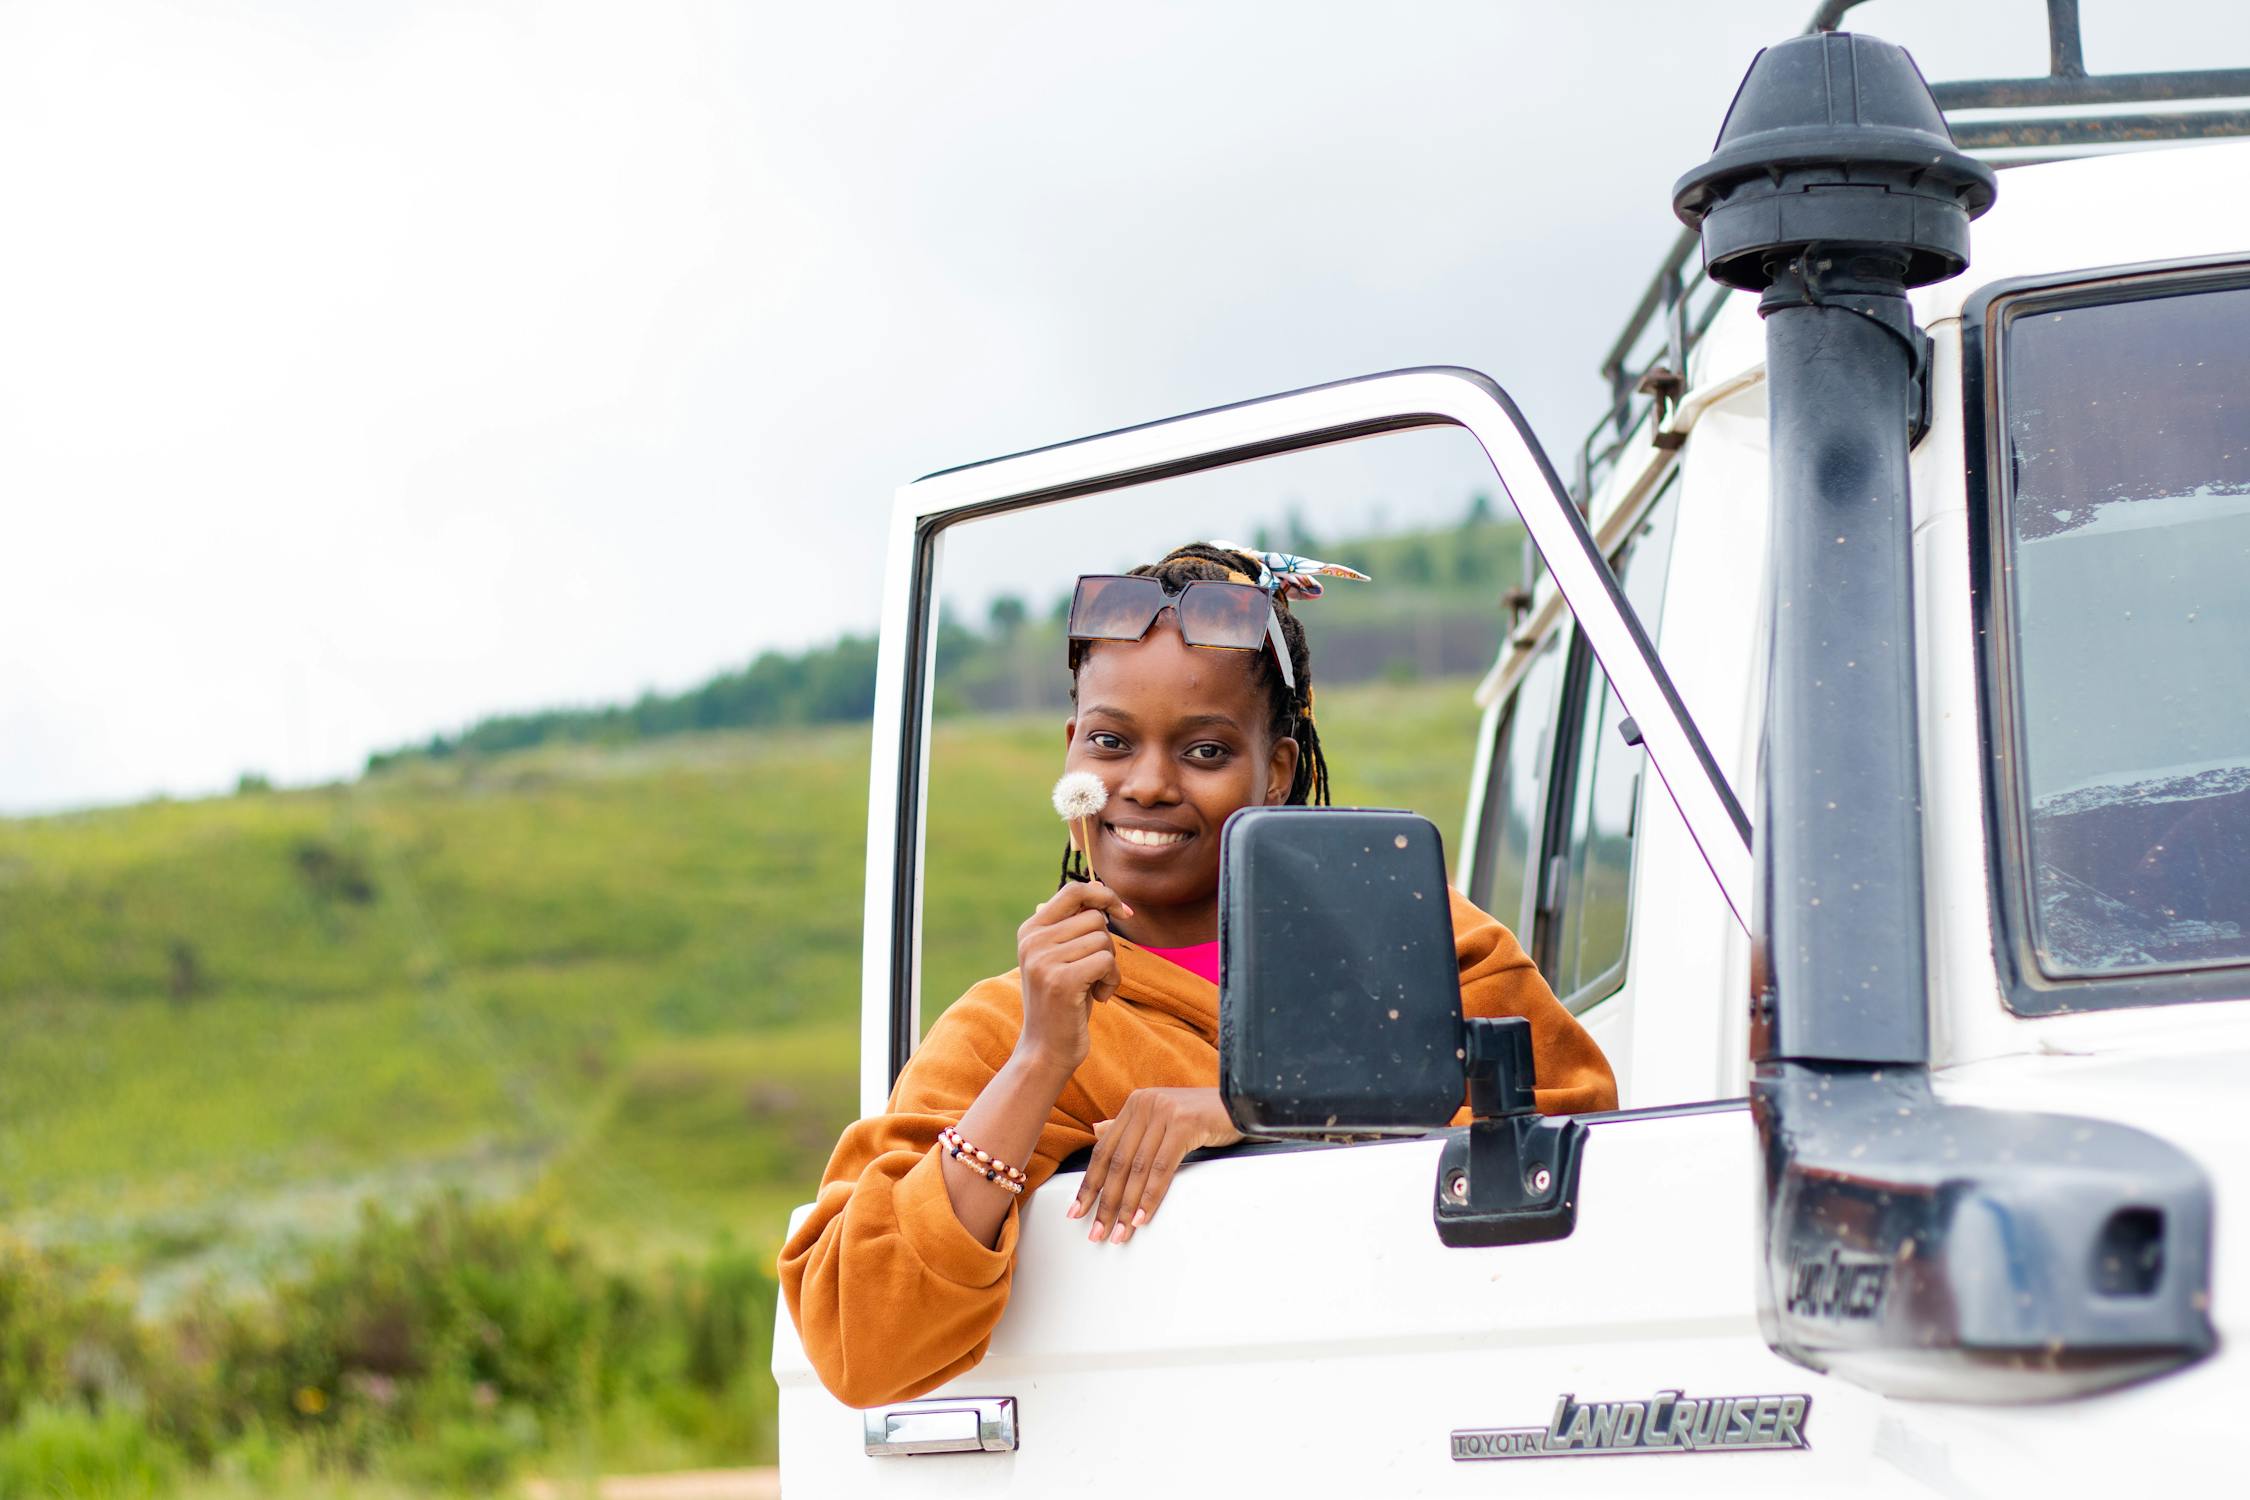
x: 1923, y: 584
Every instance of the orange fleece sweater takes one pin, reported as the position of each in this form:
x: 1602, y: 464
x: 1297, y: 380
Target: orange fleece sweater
x: 893, y: 1297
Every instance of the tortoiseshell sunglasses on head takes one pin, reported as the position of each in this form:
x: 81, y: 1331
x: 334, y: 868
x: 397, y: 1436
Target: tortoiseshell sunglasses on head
x: 1220, y: 615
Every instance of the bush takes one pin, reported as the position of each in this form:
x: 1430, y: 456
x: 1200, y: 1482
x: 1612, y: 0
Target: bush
x: 66, y: 1338
x: 448, y: 1349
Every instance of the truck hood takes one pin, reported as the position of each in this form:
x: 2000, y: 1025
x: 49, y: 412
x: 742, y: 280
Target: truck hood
x: 2180, y: 1078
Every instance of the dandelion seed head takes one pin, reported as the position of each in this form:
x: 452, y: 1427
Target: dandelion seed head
x: 1080, y: 794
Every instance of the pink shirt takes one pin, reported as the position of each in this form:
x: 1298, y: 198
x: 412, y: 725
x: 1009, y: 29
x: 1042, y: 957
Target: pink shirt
x: 1200, y: 959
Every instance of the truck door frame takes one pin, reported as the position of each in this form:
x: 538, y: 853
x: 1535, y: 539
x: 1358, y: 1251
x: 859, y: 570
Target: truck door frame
x: 1294, y: 421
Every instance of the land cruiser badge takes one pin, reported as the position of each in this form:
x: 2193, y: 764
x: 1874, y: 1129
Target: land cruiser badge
x: 1668, y: 1422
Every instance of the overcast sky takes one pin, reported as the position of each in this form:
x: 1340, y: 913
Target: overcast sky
x: 369, y: 367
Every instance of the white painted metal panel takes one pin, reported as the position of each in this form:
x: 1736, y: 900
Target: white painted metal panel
x: 1292, y: 1325
x: 1687, y: 975
x: 2104, y: 211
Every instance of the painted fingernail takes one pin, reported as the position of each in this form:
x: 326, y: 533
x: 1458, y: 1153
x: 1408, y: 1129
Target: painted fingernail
x: 1077, y: 1210
x: 1118, y: 1235
x: 1140, y: 1217
x: 1095, y: 1234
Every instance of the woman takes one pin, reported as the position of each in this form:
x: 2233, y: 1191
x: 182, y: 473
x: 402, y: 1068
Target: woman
x: 1193, y: 698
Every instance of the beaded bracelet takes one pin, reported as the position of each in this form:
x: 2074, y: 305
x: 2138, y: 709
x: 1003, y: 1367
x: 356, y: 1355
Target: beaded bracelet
x: 993, y: 1170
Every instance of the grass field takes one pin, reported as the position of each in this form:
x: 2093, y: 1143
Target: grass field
x: 624, y: 982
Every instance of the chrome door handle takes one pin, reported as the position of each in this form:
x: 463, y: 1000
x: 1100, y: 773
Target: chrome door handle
x: 943, y: 1424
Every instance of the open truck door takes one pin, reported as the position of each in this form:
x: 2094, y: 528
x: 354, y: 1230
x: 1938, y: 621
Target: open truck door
x: 1312, y: 1273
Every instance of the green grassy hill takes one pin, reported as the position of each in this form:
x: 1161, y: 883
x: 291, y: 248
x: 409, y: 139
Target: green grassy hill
x: 623, y: 981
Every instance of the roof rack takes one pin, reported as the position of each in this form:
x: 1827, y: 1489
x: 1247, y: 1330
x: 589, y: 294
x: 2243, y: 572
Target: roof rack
x: 2068, y: 83
x: 1646, y: 368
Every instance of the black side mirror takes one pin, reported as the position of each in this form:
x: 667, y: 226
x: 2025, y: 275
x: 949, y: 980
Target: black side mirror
x: 1339, y: 997
x: 1340, y: 1014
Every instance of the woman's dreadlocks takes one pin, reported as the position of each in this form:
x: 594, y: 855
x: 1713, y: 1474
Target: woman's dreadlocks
x: 1292, y: 716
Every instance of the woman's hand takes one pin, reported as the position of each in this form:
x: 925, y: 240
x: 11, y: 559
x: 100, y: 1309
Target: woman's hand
x: 1068, y: 961
x: 1136, y: 1154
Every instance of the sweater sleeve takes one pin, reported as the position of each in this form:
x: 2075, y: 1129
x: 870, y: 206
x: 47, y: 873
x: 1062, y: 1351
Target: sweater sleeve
x: 1499, y: 979
x: 892, y: 1296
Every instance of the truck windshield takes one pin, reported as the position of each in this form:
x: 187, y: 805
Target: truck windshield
x: 2127, y: 454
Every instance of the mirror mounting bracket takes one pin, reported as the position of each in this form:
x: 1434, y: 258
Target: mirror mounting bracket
x: 1511, y: 1176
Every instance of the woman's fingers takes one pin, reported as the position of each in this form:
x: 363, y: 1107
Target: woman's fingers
x: 1070, y: 928
x: 1076, y: 925
x: 1113, y: 1157
x: 1055, y: 943
x: 1085, y: 945
x: 1151, y: 1168
x: 1082, y: 895
x: 1137, y: 1155
x: 1135, y: 1146
x: 1104, y: 980
x: 1144, y: 1193
x: 1097, y: 1167
x: 1125, y: 1143
x: 1041, y: 928
x: 1089, y: 1184
x: 1091, y: 972
x: 1070, y: 960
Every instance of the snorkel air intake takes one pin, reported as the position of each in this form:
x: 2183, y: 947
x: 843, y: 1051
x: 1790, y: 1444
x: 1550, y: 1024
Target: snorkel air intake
x: 1915, y: 1247
x: 1833, y: 141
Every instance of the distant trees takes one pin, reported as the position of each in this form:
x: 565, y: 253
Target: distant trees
x: 826, y: 685
x: 1006, y: 617
x: 1015, y: 661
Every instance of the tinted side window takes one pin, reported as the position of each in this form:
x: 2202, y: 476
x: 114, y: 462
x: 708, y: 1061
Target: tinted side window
x: 1516, y: 796
x: 1590, y: 873
x: 2127, y: 452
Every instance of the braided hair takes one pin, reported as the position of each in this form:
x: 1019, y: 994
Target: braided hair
x: 1291, y: 714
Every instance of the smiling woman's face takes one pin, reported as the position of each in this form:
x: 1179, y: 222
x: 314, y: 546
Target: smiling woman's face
x: 1179, y: 734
